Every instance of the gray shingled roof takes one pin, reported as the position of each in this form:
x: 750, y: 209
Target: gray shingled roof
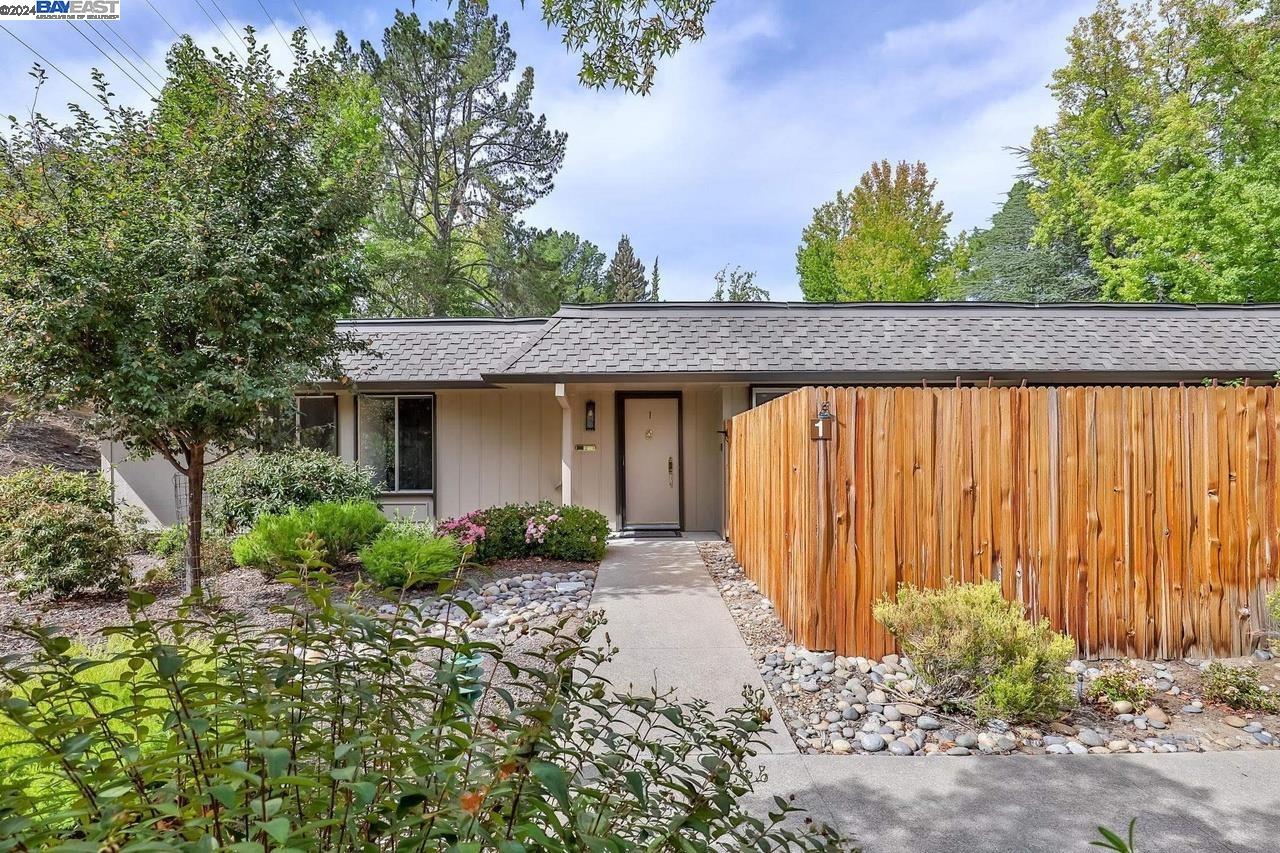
x: 436, y: 352
x: 802, y: 342
x: 893, y: 342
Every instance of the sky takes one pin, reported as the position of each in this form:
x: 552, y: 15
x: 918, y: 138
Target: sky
x: 745, y: 132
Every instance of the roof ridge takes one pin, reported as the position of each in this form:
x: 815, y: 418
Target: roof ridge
x: 507, y: 364
x: 442, y: 321
x: 712, y: 307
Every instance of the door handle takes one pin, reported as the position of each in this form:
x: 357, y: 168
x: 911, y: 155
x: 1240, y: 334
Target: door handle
x: 671, y: 472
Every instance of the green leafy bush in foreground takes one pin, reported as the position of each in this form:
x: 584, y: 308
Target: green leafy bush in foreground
x: 348, y: 729
x: 242, y: 488
x: 343, y: 528
x: 406, y: 554
x: 62, y: 549
x: 977, y: 652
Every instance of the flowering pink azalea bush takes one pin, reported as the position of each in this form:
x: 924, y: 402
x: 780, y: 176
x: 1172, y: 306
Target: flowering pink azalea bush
x: 515, y: 531
x: 468, y: 529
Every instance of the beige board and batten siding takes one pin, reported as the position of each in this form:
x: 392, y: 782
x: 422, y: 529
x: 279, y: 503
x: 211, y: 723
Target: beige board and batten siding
x: 492, y: 446
x: 595, y: 481
x: 502, y: 445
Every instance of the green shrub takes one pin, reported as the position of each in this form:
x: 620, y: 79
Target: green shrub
x: 62, y: 549
x: 1237, y: 687
x: 502, y: 531
x: 517, y: 531
x: 242, y: 488
x: 344, y: 529
x: 272, y: 542
x: 976, y: 651
x: 407, y: 554
x: 383, y: 747
x: 569, y: 533
x: 24, y: 489
x: 1121, y: 685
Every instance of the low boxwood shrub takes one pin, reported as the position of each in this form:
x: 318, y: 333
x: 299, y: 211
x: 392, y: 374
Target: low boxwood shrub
x: 976, y: 651
x: 407, y: 554
x: 383, y: 749
x: 343, y: 529
x: 24, y: 489
x: 1237, y: 687
x: 62, y: 549
x: 517, y: 531
x: 242, y: 488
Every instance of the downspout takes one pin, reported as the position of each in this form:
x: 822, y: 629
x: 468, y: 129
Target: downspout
x: 566, y: 445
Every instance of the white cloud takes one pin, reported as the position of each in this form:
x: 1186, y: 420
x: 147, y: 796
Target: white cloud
x: 721, y: 165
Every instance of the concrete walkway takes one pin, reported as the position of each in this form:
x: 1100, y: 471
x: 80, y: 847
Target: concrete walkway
x: 673, y: 629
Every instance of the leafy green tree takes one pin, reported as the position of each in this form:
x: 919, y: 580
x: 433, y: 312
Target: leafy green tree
x: 534, y: 271
x: 738, y: 285
x: 464, y: 155
x: 886, y: 240
x: 1165, y: 155
x: 622, y: 40
x: 1006, y: 263
x: 625, y: 280
x: 179, y: 270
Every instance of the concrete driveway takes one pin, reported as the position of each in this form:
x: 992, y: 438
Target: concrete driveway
x: 673, y: 629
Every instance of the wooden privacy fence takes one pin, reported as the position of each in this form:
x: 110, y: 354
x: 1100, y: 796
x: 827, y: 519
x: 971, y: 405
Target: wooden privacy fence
x: 1141, y: 520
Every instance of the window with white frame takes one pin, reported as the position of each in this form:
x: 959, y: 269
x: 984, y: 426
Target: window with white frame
x: 316, y: 424
x: 396, y: 440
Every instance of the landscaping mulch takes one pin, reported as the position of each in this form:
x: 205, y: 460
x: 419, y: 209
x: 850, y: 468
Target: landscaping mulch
x: 83, y: 617
x: 847, y: 705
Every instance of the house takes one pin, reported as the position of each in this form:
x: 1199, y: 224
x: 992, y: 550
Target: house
x: 622, y: 407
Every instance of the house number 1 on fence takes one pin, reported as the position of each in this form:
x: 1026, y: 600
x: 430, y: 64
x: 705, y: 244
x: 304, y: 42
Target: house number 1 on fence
x: 821, y: 427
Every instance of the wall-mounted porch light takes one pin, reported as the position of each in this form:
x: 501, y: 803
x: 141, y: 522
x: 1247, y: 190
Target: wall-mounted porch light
x: 591, y: 416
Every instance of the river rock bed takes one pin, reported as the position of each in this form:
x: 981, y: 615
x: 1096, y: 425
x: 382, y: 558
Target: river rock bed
x: 508, y: 603
x: 847, y: 705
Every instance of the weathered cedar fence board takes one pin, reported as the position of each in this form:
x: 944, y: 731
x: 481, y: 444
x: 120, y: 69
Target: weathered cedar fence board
x: 1141, y: 520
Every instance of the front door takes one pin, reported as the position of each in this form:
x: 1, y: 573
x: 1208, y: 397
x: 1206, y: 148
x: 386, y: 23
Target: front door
x: 651, y: 461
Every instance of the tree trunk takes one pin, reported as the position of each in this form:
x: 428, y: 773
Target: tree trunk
x: 195, y: 518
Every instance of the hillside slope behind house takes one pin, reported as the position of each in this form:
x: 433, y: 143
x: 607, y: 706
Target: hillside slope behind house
x: 58, y: 440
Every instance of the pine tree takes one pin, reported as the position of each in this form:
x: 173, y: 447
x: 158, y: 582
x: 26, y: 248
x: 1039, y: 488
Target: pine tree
x: 1005, y: 263
x: 626, y: 280
x: 653, y: 288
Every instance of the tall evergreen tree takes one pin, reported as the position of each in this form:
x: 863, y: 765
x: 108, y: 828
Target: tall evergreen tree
x: 465, y: 154
x: 654, y: 295
x: 1005, y: 263
x: 625, y: 279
